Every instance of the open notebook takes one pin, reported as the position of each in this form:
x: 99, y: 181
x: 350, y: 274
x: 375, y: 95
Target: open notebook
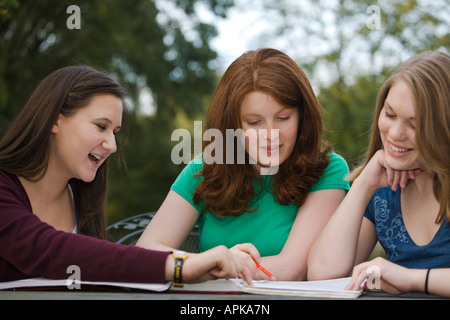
x: 326, y: 288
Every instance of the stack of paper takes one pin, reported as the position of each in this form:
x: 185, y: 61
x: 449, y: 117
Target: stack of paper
x: 326, y: 288
x: 334, y: 288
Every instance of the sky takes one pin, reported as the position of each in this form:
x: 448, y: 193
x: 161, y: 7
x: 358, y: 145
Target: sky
x: 238, y: 33
x: 235, y: 34
x: 249, y: 26
x: 246, y: 28
x: 248, y: 21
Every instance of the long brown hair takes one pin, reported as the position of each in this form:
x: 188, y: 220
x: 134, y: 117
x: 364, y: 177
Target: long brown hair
x: 24, y: 149
x: 227, y: 189
x: 428, y: 76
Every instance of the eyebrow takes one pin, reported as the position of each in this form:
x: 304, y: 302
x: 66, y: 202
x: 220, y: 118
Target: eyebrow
x: 250, y: 114
x: 387, y: 105
x: 257, y: 114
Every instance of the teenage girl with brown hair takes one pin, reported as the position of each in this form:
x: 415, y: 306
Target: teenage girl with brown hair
x: 266, y: 92
x: 53, y: 170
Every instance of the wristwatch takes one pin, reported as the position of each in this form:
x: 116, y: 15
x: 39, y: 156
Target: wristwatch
x: 179, y: 257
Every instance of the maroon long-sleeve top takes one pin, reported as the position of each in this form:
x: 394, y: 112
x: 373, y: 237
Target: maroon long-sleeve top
x: 32, y: 248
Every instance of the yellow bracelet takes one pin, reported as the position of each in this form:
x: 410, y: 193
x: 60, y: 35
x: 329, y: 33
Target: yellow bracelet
x: 179, y: 257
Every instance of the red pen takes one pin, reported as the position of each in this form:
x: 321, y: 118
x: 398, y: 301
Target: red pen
x: 260, y: 267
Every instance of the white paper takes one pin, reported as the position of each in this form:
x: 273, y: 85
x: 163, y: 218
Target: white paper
x: 43, y: 282
x: 334, y: 288
x: 323, y: 285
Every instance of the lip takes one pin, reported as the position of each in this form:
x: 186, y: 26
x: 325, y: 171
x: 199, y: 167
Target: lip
x: 269, y: 149
x: 398, y: 151
x: 96, y: 159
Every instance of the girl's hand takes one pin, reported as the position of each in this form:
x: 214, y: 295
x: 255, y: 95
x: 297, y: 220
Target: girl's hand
x: 245, y: 255
x: 217, y: 263
x: 377, y: 173
x: 387, y: 276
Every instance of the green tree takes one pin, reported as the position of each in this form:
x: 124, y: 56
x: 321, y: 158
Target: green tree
x: 347, y: 59
x: 140, y: 43
x: 160, y: 47
x: 348, y: 117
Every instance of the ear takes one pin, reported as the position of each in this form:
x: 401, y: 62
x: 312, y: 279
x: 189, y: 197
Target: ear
x: 56, y: 127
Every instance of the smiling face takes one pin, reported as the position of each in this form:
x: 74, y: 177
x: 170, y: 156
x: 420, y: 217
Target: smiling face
x: 397, y: 124
x: 275, y: 127
x: 83, y: 141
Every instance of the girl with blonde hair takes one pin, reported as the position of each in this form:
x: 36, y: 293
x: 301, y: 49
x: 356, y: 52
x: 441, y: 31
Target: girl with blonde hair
x: 400, y: 196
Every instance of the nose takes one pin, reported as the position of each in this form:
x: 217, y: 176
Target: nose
x: 397, y: 131
x: 109, y: 143
x: 270, y: 132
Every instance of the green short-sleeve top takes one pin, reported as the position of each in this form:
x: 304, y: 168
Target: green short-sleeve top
x: 268, y: 227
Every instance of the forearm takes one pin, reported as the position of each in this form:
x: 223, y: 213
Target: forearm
x: 282, y: 269
x: 161, y: 236
x: 170, y: 226
x: 153, y: 245
x: 438, y: 282
x: 333, y: 253
x: 48, y: 253
x: 396, y: 279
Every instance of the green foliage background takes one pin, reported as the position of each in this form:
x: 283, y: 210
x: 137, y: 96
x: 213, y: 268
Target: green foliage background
x: 163, y: 48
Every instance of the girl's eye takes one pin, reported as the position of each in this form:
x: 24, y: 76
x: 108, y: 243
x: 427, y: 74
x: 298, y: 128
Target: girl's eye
x: 101, y: 127
x: 284, y: 118
x: 389, y: 115
x: 253, y: 123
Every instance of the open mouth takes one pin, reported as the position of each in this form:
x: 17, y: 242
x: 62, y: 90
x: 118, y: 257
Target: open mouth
x: 95, y: 157
x: 398, y: 149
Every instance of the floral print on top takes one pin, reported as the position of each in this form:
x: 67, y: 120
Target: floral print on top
x: 384, y: 211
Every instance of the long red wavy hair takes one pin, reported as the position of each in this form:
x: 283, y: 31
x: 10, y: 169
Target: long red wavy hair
x: 227, y: 189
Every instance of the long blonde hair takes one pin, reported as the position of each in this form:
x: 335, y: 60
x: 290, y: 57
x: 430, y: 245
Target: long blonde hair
x: 428, y: 76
